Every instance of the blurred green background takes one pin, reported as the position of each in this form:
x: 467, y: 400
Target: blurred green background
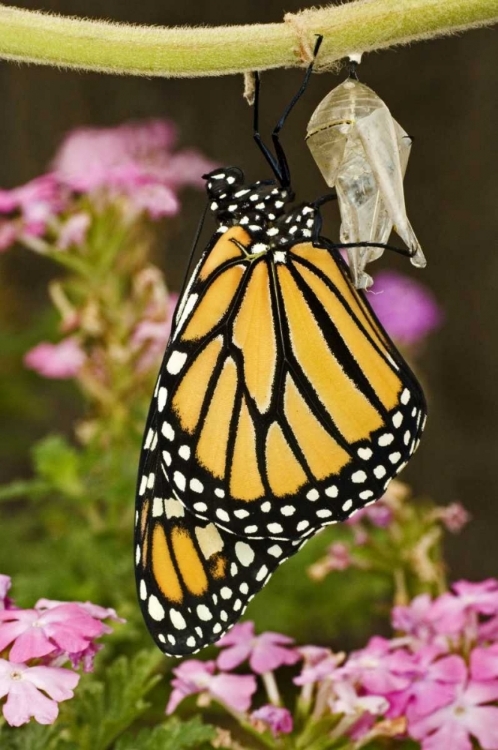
x: 442, y: 92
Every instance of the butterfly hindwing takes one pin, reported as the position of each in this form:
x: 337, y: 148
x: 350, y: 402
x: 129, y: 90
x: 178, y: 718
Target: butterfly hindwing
x: 194, y: 579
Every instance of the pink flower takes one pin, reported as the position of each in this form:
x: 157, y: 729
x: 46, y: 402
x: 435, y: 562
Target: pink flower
x: 132, y: 160
x: 484, y: 663
x: 27, y: 689
x: 345, y: 700
x: 406, y: 308
x: 265, y: 652
x: 195, y: 676
x: 62, y: 360
x: 5, y: 584
x: 35, y: 203
x: 278, y: 720
x: 454, y: 517
x: 94, y: 610
x: 34, y: 633
x: 319, y: 664
x: 432, y: 686
x: 74, y: 231
x: 451, y: 611
x: 467, y: 715
x: 415, y: 618
x: 380, y: 667
x: 8, y: 234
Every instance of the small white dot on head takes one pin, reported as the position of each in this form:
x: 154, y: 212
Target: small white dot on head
x: 226, y: 593
x: 204, y: 613
x: 302, y: 525
x: 266, y: 507
x: 279, y: 204
x: 179, y: 480
x: 272, y: 231
x: 366, y: 494
x: 245, y: 553
x: 293, y: 229
x: 233, y: 569
x: 196, y: 486
x: 232, y: 207
x: 347, y: 505
x: 324, y: 513
x: 310, y: 223
x: 405, y: 397
x: 394, y: 457
x: 254, y: 227
x: 379, y: 472
x: 177, y: 619
x: 217, y: 628
x: 184, y: 452
x: 288, y: 510
x: 143, y: 590
x: 262, y: 573
x: 260, y: 206
x: 222, y: 515
x: 176, y: 362
x: 386, y: 439
x: 312, y: 495
x: 244, y: 588
x: 275, y: 528
x: 332, y: 491
x: 307, y: 210
x: 251, y: 529
x: 244, y: 220
x: 254, y: 197
x: 306, y: 233
x: 358, y: 477
x: 190, y: 641
x: 241, y: 513
x: 201, y: 507
x: 214, y: 206
x: 275, y: 551
x: 219, y: 493
x: 223, y: 615
x: 364, y: 453
x: 397, y: 419
x: 240, y: 193
x: 237, y: 605
x: 156, y: 609
x: 167, y: 431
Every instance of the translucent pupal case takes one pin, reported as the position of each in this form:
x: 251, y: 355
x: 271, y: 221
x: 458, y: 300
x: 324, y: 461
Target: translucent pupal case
x: 363, y: 152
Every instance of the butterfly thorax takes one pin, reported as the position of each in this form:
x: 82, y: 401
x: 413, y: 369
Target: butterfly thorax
x: 262, y: 208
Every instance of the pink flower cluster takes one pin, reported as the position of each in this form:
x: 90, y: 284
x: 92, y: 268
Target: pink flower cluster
x: 34, y: 643
x: 132, y: 165
x: 406, y: 308
x: 435, y: 682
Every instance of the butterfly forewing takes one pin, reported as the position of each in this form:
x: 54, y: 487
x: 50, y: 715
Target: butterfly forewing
x: 283, y: 405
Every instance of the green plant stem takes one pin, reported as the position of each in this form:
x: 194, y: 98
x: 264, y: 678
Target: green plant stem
x: 361, y: 26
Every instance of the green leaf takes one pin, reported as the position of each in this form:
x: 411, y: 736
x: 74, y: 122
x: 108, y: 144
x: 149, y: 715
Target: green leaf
x: 102, y: 710
x: 31, y: 736
x: 58, y: 463
x: 174, y: 735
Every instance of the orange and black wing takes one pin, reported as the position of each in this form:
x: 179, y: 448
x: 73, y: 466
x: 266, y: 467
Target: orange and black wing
x: 194, y: 580
x: 282, y: 404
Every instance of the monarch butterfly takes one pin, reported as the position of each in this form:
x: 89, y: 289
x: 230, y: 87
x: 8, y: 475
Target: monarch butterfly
x: 281, y: 406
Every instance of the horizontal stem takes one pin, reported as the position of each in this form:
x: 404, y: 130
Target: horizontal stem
x: 361, y: 26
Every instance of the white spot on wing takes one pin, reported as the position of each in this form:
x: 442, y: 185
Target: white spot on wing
x: 245, y: 553
x: 177, y: 619
x: 176, y: 362
x: 156, y: 609
x: 209, y: 540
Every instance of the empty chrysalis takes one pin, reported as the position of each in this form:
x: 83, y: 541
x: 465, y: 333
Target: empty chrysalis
x: 363, y: 152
